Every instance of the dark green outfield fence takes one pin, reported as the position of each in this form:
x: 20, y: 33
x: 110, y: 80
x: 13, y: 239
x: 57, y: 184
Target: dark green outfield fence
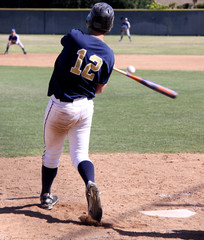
x: 143, y: 22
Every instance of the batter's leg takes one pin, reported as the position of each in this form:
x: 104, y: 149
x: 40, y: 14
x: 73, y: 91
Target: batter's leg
x: 79, y: 136
x: 79, y: 145
x: 54, y: 141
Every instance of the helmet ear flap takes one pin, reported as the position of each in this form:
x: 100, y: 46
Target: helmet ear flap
x: 101, y: 17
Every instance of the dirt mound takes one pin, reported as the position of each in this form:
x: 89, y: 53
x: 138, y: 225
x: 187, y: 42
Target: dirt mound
x: 129, y: 183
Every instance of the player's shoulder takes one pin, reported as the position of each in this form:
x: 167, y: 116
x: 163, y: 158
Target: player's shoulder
x: 76, y: 33
x: 89, y: 42
x: 84, y: 38
x: 73, y: 34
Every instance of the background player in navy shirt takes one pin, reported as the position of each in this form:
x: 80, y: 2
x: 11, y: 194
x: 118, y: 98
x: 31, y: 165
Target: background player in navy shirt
x: 14, y: 39
x: 81, y: 70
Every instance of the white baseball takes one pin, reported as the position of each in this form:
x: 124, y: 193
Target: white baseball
x: 131, y: 69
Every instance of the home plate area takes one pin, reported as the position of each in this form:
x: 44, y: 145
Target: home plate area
x: 144, y: 197
x: 177, y: 213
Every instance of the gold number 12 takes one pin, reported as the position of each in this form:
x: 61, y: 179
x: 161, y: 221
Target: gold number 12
x: 90, y: 66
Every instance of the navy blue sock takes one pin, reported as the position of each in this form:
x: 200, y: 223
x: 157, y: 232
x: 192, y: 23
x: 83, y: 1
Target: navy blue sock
x: 86, y: 170
x: 48, y: 175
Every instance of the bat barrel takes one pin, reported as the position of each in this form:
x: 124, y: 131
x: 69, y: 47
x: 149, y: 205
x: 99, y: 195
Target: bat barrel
x: 154, y: 86
x: 158, y: 88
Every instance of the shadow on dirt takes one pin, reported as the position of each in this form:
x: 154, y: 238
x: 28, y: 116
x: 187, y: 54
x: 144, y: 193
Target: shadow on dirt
x: 175, y: 234
x: 179, y: 234
x: 35, y: 214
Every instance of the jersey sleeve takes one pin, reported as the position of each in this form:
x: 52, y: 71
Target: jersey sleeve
x: 65, y: 39
x: 16, y: 38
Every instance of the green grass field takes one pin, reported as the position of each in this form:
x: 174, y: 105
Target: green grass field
x: 139, y: 45
x: 128, y: 116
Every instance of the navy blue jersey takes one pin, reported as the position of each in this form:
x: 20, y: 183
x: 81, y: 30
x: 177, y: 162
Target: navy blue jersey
x: 13, y: 38
x: 84, y: 62
x: 125, y: 25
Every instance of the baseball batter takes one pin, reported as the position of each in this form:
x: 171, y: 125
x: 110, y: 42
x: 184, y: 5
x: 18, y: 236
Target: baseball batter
x: 125, y: 28
x: 81, y: 70
x: 14, y: 39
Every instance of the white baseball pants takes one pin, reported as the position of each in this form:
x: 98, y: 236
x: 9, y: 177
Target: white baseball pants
x: 127, y: 31
x: 18, y: 43
x: 63, y: 119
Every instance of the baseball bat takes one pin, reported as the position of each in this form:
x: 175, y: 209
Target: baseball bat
x: 154, y: 86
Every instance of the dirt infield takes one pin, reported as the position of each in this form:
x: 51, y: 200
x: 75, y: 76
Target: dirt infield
x: 152, y: 62
x: 129, y: 183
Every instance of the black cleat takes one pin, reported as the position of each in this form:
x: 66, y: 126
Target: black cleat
x: 48, y: 201
x: 94, y: 203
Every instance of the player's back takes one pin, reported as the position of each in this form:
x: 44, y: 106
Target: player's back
x: 84, y: 62
x: 76, y: 40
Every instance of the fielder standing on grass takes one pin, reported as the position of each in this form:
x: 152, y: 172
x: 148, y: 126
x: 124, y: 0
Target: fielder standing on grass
x: 14, y: 39
x: 81, y: 70
x: 125, y: 28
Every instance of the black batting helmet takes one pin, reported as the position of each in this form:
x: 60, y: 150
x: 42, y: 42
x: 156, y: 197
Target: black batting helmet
x: 101, y: 17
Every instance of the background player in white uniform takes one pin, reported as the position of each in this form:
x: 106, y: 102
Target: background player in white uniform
x: 14, y: 39
x: 81, y: 70
x: 125, y: 28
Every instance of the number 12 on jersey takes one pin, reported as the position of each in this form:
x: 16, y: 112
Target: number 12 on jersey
x: 90, y: 66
